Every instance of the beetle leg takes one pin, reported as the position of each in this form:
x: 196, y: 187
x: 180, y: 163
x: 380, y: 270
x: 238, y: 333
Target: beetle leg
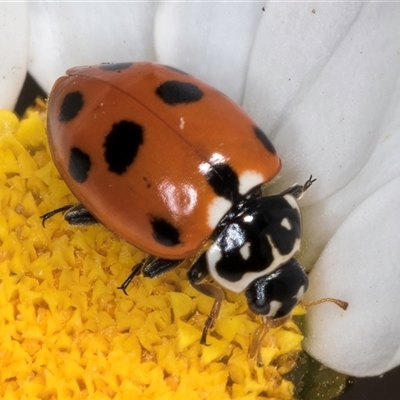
x: 74, y: 214
x: 298, y: 190
x: 135, y: 271
x: 259, y: 335
x: 219, y: 296
x: 196, y: 273
x: 79, y: 215
x: 159, y: 266
x: 255, y: 345
x: 150, y: 267
x: 49, y: 214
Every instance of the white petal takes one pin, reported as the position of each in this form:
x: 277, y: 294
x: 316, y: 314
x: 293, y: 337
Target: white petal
x: 211, y: 40
x: 327, y: 80
x: 322, y: 219
x: 70, y: 34
x: 360, y: 265
x: 14, y: 51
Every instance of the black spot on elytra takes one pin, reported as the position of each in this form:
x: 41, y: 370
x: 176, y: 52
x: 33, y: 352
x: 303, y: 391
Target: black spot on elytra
x: 176, y: 70
x: 177, y: 92
x: 70, y: 107
x: 164, y: 232
x: 224, y: 181
x: 264, y: 140
x: 122, y: 145
x: 115, y: 67
x: 79, y: 165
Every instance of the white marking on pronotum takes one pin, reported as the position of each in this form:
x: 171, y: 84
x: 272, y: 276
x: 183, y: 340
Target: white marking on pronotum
x: 248, y: 180
x: 291, y: 201
x: 299, y: 295
x: 216, y: 210
x: 214, y: 254
x: 274, y: 308
x: 245, y: 251
x: 286, y: 224
x: 181, y: 123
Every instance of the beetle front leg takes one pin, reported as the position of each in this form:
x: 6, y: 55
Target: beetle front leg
x: 297, y: 190
x: 196, y: 273
x: 259, y: 335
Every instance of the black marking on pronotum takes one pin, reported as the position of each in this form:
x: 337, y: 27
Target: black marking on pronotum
x: 176, y: 70
x: 264, y: 233
x: 164, y: 232
x: 115, y: 67
x: 276, y: 209
x: 264, y: 140
x: 70, y: 107
x: 177, y: 92
x: 231, y: 265
x: 122, y: 145
x: 79, y: 165
x: 224, y: 181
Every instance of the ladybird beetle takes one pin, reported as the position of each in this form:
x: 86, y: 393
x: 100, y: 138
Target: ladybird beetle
x: 175, y: 167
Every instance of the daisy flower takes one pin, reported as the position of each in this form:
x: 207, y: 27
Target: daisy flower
x: 322, y: 81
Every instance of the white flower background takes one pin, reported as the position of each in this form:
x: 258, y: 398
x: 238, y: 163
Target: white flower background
x: 321, y: 79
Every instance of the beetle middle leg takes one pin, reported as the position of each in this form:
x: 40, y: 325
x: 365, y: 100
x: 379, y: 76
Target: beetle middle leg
x: 196, y: 273
x: 74, y: 214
